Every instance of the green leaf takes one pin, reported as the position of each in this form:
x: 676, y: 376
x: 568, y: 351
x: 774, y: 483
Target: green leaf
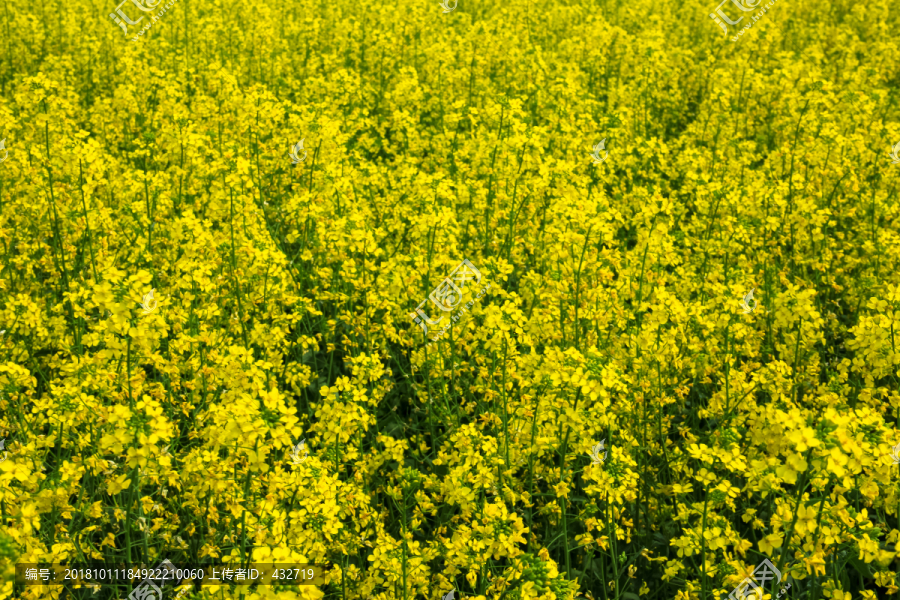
x: 861, y: 567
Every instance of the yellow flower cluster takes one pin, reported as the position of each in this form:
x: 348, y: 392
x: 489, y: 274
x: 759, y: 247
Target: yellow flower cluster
x: 181, y: 305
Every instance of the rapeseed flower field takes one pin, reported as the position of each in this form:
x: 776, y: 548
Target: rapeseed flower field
x: 501, y: 293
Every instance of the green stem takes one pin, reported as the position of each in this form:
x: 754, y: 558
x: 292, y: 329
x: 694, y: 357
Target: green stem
x: 703, y: 544
x: 562, y: 468
x: 403, y: 499
x: 87, y: 224
x: 237, y: 285
x: 790, y: 530
x: 505, y: 411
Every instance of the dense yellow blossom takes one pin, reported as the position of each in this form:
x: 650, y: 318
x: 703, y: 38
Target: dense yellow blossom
x: 181, y: 305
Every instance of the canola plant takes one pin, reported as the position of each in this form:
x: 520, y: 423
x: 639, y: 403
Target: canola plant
x: 513, y: 300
